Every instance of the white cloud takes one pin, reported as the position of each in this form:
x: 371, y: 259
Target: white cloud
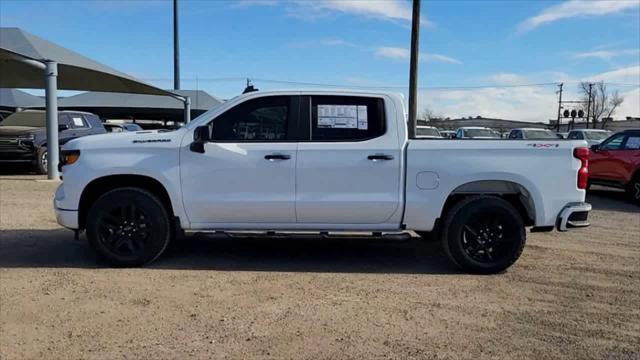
x: 391, y: 10
x: 508, y: 79
x: 577, y: 8
x: 606, y: 54
x: 383, y: 9
x: 529, y: 103
x: 629, y: 75
x: 399, y: 53
x: 439, y: 58
x: 392, y: 52
x: 535, y: 104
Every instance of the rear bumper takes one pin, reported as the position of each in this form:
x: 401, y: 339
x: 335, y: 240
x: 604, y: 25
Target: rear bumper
x: 574, y: 215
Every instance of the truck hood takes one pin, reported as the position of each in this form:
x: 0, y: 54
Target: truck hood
x: 127, y: 140
x: 16, y: 131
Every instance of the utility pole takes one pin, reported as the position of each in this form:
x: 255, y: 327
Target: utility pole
x: 559, y: 106
x: 176, y: 48
x: 589, y: 107
x: 413, y: 69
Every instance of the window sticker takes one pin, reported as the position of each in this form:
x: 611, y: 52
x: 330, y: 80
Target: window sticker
x: 338, y: 116
x: 77, y: 121
x: 363, y: 122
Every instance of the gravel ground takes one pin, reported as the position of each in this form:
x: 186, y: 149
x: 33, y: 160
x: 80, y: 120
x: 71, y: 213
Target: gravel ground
x: 573, y: 295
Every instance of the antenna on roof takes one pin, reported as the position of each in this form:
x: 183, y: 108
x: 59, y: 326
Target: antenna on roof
x: 249, y: 88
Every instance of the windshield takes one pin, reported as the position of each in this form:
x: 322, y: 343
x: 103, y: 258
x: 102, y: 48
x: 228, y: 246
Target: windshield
x: 424, y: 131
x: 25, y: 118
x: 591, y: 135
x: 540, y: 134
x: 480, y: 133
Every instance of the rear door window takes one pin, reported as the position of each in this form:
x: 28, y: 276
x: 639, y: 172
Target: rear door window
x: 78, y: 121
x: 346, y: 118
x: 633, y: 143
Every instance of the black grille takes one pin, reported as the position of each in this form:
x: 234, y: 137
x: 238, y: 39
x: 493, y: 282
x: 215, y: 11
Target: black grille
x: 8, y: 143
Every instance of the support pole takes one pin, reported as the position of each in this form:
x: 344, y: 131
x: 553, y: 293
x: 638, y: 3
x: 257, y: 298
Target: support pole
x: 51, y: 98
x: 413, y: 69
x: 187, y: 109
x: 559, y: 107
x: 589, y: 107
x: 176, y: 48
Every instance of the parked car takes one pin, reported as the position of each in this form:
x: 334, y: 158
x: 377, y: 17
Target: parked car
x: 428, y: 132
x: 4, y: 114
x: 531, y: 134
x: 476, y: 133
x: 562, y: 135
x: 616, y: 163
x: 447, y: 134
x: 23, y: 137
x: 333, y: 161
x: 124, y: 127
x: 591, y: 136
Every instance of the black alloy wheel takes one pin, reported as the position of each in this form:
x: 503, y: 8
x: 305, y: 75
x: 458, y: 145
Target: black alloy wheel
x: 483, y: 234
x: 129, y: 227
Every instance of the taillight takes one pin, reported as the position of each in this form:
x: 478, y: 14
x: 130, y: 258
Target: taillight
x: 582, y: 154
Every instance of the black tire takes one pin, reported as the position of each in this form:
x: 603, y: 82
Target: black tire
x: 633, y: 189
x: 483, y: 234
x: 129, y: 227
x: 41, y: 160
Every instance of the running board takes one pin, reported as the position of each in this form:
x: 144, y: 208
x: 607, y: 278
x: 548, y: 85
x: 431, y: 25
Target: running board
x: 325, y: 235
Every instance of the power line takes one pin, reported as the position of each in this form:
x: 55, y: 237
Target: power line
x: 374, y: 86
x: 287, y: 82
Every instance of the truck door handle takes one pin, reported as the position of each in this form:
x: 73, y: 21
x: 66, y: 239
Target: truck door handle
x: 277, y: 157
x: 376, y: 157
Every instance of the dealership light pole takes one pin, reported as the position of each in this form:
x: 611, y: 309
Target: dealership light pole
x: 413, y: 68
x: 176, y: 48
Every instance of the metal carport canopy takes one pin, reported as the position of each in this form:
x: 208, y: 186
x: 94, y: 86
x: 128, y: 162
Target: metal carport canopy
x: 27, y: 61
x: 139, y: 106
x: 11, y: 99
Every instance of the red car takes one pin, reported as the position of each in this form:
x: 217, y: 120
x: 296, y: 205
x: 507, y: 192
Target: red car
x: 616, y: 162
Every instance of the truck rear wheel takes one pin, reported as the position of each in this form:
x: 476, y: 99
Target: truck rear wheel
x: 483, y: 234
x: 128, y: 227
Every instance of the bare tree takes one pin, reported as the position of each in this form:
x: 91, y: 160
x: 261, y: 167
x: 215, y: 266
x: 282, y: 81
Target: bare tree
x: 602, y: 102
x: 428, y: 114
x: 614, y: 102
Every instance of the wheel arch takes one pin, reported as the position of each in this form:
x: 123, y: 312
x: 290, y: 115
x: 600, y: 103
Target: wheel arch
x: 513, y: 192
x: 99, y: 186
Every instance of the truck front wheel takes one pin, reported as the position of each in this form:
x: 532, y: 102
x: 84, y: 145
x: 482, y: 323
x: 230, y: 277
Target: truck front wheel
x: 128, y: 227
x: 483, y: 234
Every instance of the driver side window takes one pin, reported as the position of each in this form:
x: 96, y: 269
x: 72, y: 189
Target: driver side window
x: 614, y: 143
x: 263, y: 119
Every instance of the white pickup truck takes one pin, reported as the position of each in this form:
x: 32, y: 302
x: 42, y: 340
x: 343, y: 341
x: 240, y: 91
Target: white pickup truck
x: 321, y: 161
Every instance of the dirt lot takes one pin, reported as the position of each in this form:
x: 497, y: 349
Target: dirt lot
x: 570, y: 296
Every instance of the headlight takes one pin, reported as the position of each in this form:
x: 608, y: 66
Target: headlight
x: 68, y: 157
x: 26, y: 141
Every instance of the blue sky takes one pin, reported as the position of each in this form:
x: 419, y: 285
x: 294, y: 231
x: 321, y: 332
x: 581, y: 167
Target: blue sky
x: 361, y: 43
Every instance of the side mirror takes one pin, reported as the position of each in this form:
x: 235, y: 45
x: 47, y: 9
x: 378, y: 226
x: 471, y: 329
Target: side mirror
x: 63, y: 127
x: 594, y: 148
x: 201, y: 136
